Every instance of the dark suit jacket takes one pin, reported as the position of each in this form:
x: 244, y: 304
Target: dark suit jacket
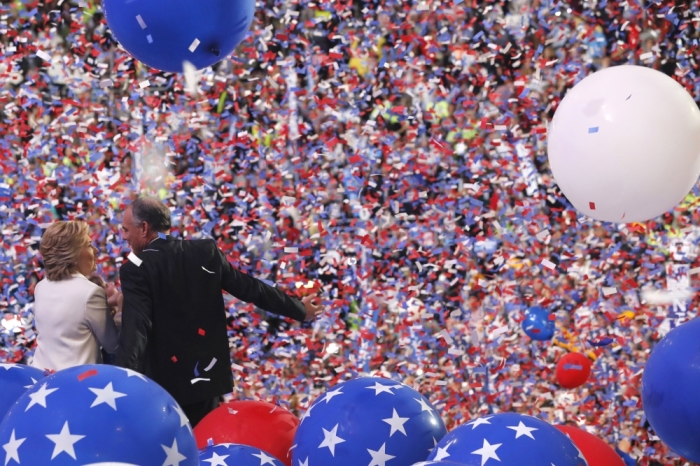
x: 174, y: 319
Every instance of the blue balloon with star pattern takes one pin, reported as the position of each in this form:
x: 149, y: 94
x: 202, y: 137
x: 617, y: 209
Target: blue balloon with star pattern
x: 97, y: 414
x: 164, y: 34
x: 367, y: 421
x: 508, y: 439
x: 537, y: 324
x: 437, y: 463
x: 15, y: 379
x: 233, y: 454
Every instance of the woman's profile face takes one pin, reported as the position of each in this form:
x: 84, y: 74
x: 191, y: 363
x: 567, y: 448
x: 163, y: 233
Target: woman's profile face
x: 87, y: 263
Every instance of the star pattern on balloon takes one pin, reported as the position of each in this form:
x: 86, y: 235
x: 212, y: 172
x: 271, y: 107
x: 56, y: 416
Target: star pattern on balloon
x: 184, y: 421
x: 67, y: 441
x: 441, y: 452
x: 8, y: 367
x: 106, y: 396
x: 381, y: 388
x: 507, y: 437
x: 39, y: 397
x: 12, y: 448
x: 380, y: 457
x: 487, y: 452
x: 331, y: 439
x: 64, y: 442
x: 521, y: 430
x: 228, y: 454
x: 173, y: 456
x: 396, y: 422
x: 132, y: 373
x: 216, y: 460
x: 424, y: 406
x: 329, y: 395
x: 395, y: 425
x: 478, y: 422
x: 265, y: 459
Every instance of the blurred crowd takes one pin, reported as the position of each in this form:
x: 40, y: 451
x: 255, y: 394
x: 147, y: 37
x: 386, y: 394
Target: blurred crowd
x: 388, y: 154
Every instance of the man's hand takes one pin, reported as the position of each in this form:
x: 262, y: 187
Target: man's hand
x: 312, y: 310
x: 111, y: 290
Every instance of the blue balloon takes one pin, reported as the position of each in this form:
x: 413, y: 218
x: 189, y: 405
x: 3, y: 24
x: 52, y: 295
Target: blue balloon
x: 232, y: 454
x: 508, y: 439
x: 165, y: 33
x: 97, y: 414
x: 537, y: 324
x: 15, y: 379
x: 368, y: 420
x: 437, y: 463
x: 670, y: 390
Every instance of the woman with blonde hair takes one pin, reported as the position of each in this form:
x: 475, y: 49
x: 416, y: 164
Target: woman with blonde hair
x: 71, y: 313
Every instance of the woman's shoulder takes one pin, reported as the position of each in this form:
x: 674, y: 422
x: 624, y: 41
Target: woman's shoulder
x: 75, y: 282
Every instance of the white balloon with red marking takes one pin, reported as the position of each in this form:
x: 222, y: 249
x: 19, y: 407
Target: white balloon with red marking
x: 624, y: 144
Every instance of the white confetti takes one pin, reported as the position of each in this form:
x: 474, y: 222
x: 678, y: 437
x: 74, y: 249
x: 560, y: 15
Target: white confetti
x: 549, y: 264
x: 141, y: 22
x: 194, y: 45
x: 609, y: 290
x: 144, y: 84
x: 191, y: 78
x: 446, y: 336
x: 43, y: 55
x: 211, y: 364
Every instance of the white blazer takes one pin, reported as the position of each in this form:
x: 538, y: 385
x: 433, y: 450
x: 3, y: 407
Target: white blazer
x: 72, y: 320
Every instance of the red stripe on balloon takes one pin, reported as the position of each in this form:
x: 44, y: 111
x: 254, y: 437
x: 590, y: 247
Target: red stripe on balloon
x: 87, y: 374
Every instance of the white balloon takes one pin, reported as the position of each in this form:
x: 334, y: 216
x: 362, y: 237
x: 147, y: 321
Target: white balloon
x: 624, y: 144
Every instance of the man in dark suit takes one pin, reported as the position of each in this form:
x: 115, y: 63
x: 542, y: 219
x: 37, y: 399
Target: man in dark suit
x: 173, y: 315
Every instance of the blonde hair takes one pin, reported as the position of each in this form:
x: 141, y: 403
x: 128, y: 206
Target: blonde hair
x: 60, y: 248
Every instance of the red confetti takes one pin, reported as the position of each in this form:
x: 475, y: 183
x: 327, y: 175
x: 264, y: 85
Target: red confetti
x: 87, y: 374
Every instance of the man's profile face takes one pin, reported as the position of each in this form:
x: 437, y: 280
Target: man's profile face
x: 135, y: 235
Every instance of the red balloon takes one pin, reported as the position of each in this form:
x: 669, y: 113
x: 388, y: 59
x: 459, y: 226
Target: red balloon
x: 573, y: 370
x: 596, y: 451
x: 253, y: 423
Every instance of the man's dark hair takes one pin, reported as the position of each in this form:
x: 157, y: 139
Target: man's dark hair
x: 151, y: 211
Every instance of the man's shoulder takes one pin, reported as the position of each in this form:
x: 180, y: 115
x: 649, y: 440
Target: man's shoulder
x: 198, y: 244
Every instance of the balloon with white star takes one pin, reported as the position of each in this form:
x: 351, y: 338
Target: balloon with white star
x: 367, y: 421
x: 437, y: 463
x: 233, y: 454
x: 508, y: 439
x: 255, y: 423
x: 15, y: 379
x: 97, y: 414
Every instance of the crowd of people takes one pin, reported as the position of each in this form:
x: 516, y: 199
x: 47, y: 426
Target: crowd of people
x: 390, y: 155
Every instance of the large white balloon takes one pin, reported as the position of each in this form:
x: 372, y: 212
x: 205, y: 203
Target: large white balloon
x: 624, y: 144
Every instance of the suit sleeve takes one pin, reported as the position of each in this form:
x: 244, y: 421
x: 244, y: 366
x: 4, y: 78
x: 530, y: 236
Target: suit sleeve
x: 137, y: 317
x: 100, y: 321
x: 251, y: 290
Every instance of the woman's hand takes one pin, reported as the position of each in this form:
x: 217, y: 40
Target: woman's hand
x: 114, y: 299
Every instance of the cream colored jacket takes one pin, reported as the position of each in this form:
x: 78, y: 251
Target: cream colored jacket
x: 72, y: 320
